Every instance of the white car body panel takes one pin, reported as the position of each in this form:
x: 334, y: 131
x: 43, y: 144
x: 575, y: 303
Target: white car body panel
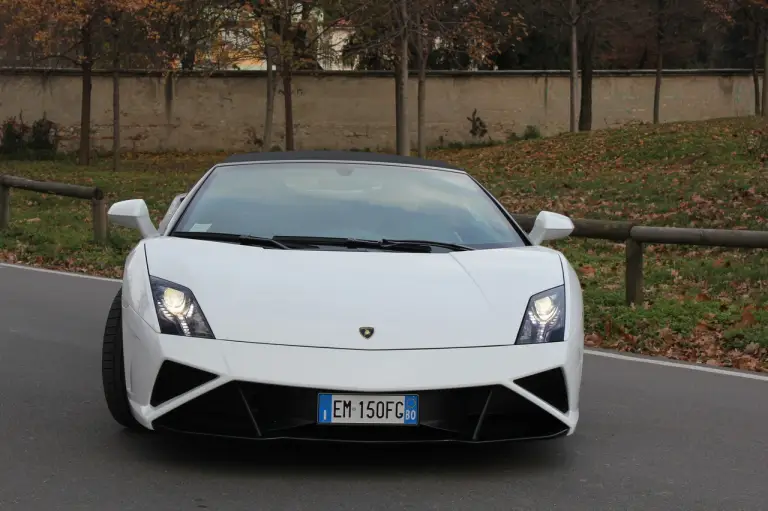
x: 291, y: 317
x: 392, y: 360
x: 344, y: 370
x: 439, y: 300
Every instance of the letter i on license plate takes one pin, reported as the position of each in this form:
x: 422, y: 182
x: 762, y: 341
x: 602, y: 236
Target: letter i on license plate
x: 368, y: 409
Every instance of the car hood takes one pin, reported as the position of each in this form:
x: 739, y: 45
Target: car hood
x: 322, y: 298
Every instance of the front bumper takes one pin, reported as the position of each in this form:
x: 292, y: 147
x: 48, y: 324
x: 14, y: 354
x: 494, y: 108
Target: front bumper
x: 260, y: 391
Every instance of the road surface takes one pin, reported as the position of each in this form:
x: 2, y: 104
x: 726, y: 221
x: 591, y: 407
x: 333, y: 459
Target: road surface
x: 651, y: 437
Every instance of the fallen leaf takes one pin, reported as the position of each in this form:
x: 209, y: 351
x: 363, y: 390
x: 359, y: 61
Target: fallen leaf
x: 593, y: 340
x: 747, y: 319
x: 667, y: 334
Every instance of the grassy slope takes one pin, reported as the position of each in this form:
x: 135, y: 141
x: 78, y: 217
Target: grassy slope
x: 707, y: 305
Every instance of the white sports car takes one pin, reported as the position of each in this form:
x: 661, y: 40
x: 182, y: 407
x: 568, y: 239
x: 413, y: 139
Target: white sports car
x: 344, y: 296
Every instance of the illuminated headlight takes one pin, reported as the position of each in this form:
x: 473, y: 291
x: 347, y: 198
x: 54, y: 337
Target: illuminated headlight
x: 178, y: 311
x: 544, y: 319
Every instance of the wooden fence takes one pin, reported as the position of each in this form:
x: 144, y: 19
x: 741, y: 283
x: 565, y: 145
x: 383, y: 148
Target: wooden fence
x: 93, y: 194
x: 636, y: 236
x: 633, y: 236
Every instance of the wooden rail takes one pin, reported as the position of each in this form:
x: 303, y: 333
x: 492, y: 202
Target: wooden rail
x: 636, y: 236
x: 94, y: 194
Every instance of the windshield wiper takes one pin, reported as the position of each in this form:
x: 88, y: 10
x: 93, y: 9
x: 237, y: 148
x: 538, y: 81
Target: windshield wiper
x: 441, y: 244
x: 329, y: 241
x: 384, y: 244
x: 243, y: 239
x: 282, y: 242
x: 353, y: 243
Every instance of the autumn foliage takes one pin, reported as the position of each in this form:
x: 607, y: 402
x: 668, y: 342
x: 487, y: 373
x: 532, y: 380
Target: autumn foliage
x: 69, y: 30
x: 405, y: 36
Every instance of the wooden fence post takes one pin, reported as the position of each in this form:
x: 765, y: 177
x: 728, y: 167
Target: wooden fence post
x: 5, y: 206
x: 634, y: 272
x: 99, y: 211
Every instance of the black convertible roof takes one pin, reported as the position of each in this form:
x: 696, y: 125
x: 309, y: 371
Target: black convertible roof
x: 339, y: 156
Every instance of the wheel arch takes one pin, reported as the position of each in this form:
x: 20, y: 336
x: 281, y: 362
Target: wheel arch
x: 113, y: 367
x: 574, y: 328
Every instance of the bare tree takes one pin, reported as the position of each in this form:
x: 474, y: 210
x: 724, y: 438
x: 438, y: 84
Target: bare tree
x: 115, y: 23
x: 71, y: 31
x: 476, y: 28
x: 411, y: 32
x: 573, y: 20
x: 383, y: 34
x: 270, y: 52
x: 593, y: 18
x: 289, y: 35
x: 672, y: 21
x: 570, y: 13
x: 753, y: 14
x: 421, y: 61
x: 401, y: 80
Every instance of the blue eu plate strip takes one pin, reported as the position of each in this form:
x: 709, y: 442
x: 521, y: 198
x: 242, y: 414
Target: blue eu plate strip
x: 411, y: 409
x: 324, y: 409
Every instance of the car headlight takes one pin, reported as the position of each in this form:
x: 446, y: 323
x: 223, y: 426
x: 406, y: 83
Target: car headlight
x: 178, y: 311
x: 544, y: 319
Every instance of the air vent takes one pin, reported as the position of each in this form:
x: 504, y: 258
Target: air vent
x: 175, y: 379
x: 549, y: 386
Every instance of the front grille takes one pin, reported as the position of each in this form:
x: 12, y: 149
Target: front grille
x: 262, y: 411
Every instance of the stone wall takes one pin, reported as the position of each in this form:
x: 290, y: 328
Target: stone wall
x: 225, y: 111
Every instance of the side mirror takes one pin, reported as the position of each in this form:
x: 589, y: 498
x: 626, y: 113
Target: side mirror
x: 550, y: 226
x: 133, y: 214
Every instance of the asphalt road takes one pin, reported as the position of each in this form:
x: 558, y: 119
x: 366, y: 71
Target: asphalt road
x: 651, y: 438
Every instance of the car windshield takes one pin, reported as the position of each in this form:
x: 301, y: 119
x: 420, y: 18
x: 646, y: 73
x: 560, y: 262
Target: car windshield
x: 347, y: 200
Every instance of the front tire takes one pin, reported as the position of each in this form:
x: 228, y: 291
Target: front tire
x: 113, y: 368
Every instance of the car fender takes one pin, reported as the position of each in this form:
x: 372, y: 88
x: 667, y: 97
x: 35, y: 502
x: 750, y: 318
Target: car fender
x: 574, y: 327
x: 137, y: 293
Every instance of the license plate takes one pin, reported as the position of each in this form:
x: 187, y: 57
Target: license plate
x: 368, y: 409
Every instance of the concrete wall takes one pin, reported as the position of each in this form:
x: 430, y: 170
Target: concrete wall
x: 225, y: 111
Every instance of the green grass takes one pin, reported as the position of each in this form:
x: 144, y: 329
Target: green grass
x: 702, y: 304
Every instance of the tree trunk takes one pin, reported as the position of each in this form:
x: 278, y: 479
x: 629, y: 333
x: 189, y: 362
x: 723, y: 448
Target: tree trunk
x: 84, y: 156
x: 189, y: 54
x: 643, y: 58
x: 271, y: 87
x: 756, y: 38
x: 288, y: 107
x: 659, y: 60
x: 188, y: 60
x: 116, y: 100
x: 398, y: 107
x: 574, y: 64
x: 765, y: 72
x: 403, y: 142
x: 657, y: 88
x: 587, y: 68
x: 286, y: 66
x: 422, y: 92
